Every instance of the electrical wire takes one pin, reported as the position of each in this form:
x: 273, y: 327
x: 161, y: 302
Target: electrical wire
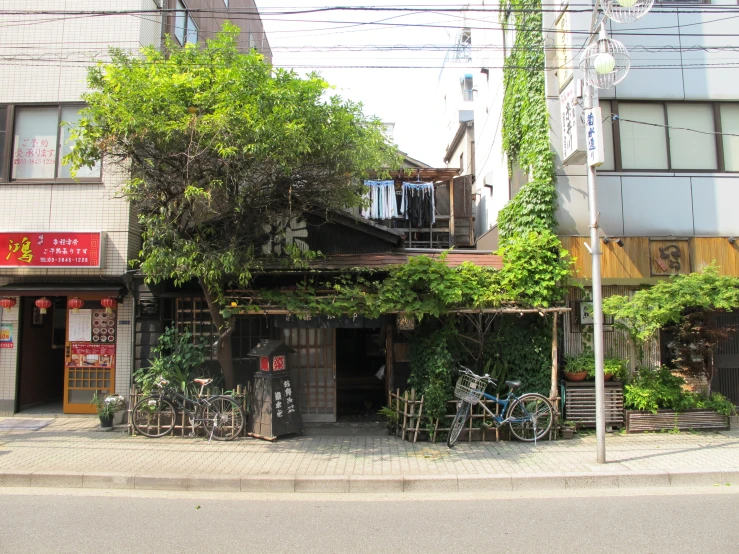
x: 615, y: 117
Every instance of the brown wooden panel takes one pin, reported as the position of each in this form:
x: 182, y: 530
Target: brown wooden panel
x: 706, y: 250
x: 314, y: 366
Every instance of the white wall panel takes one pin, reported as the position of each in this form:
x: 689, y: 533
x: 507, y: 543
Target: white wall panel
x: 715, y: 202
x: 657, y: 206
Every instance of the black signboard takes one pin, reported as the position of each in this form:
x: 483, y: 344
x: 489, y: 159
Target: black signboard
x: 274, y: 411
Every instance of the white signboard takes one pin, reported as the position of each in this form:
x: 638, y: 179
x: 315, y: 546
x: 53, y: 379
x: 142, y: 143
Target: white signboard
x: 80, y: 326
x: 563, y: 50
x: 567, y: 99
x: 594, y: 136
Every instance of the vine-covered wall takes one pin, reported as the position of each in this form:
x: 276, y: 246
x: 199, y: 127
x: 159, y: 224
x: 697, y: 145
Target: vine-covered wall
x: 526, y: 126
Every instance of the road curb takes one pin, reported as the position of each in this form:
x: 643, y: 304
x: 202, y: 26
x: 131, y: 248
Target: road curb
x: 342, y: 484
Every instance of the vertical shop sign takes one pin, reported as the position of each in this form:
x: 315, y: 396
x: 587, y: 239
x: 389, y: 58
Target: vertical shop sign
x: 6, y: 335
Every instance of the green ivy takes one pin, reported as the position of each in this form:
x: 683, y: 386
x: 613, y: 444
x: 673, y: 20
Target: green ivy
x: 525, y: 131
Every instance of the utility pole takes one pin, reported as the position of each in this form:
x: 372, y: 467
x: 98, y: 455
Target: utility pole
x: 590, y: 101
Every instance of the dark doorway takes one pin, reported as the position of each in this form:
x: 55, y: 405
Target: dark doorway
x: 41, y: 367
x: 360, y: 355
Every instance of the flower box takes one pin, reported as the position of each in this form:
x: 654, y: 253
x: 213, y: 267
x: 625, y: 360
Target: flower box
x: 639, y: 421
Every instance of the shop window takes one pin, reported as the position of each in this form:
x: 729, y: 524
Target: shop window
x: 40, y: 142
x: 643, y: 144
x: 689, y: 149
x: 730, y: 126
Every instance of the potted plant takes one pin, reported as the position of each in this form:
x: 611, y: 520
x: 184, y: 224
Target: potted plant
x: 578, y: 366
x: 107, y: 406
x: 613, y: 368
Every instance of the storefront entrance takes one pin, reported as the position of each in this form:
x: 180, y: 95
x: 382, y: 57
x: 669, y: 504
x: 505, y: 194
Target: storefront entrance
x: 360, y: 376
x: 41, y: 363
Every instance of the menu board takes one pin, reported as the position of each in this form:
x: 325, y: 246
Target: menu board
x: 80, y: 326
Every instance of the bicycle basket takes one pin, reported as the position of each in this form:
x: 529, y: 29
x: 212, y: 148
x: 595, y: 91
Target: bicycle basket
x: 470, y: 388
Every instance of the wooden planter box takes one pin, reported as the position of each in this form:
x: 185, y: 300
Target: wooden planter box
x: 638, y: 421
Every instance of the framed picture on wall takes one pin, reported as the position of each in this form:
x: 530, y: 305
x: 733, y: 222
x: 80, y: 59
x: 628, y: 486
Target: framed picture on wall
x: 37, y: 319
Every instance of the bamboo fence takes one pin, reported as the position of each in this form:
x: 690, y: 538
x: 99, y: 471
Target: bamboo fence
x: 408, y: 410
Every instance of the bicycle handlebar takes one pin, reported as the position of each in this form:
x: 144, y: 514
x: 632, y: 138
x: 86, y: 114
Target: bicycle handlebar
x: 468, y: 371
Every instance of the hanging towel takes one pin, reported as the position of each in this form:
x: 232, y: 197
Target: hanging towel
x: 417, y: 204
x: 381, y: 200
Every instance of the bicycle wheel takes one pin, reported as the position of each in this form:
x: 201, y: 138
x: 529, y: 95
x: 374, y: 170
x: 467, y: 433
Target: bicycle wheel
x: 530, y: 417
x: 224, y: 418
x: 458, y: 424
x: 154, y: 417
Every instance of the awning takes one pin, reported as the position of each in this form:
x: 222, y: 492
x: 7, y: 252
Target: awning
x: 62, y: 289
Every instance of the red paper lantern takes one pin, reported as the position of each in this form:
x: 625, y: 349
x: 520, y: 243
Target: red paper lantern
x: 43, y: 304
x: 7, y: 303
x: 109, y: 303
x: 75, y: 304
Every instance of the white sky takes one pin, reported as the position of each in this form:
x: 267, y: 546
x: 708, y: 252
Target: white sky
x: 406, y: 97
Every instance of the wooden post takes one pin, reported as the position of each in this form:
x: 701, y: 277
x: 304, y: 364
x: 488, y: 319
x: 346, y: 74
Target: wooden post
x: 436, y: 429
x: 412, y: 412
x: 418, y: 420
x: 555, y: 360
x: 451, y: 212
x: 405, y: 414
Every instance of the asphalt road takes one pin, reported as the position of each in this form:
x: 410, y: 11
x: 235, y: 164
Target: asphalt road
x: 645, y: 522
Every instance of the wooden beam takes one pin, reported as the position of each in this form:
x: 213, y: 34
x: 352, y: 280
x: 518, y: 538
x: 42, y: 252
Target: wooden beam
x: 451, y: 212
x: 555, y: 361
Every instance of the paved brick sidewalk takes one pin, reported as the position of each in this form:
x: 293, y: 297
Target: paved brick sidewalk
x: 75, y: 445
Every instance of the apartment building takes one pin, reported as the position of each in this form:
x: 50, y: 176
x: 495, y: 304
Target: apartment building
x: 66, y: 242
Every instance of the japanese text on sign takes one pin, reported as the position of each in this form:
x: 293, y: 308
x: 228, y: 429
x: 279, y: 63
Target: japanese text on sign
x: 33, y: 151
x: 594, y: 137
x: 51, y: 249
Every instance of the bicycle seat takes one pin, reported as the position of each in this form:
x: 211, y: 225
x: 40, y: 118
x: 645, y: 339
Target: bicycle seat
x: 513, y: 385
x: 202, y: 381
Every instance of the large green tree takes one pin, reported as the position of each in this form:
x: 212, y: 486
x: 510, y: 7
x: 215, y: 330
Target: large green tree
x: 220, y: 150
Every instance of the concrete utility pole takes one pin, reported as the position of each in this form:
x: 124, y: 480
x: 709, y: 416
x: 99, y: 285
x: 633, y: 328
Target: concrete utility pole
x: 590, y: 101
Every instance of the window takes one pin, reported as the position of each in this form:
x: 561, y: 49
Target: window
x: 730, y: 126
x: 671, y: 136
x: 3, y: 140
x: 643, y: 145
x: 40, y: 142
x: 185, y: 29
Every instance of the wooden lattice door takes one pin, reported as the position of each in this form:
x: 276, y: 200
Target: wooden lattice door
x: 314, y: 368
x: 726, y: 359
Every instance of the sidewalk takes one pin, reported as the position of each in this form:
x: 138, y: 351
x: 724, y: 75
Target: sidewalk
x: 75, y: 453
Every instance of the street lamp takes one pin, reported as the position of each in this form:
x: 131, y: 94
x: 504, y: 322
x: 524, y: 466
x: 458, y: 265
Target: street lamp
x: 604, y: 63
x: 626, y: 11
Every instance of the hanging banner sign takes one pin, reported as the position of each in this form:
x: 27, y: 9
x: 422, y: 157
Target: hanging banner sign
x: 51, y: 249
x: 6, y: 335
x: 594, y: 136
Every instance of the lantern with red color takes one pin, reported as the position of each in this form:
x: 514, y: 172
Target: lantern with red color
x: 109, y: 303
x: 43, y: 304
x: 271, y: 354
x: 7, y: 303
x: 75, y: 304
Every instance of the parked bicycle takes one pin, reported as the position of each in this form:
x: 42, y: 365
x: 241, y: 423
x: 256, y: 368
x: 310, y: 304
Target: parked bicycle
x: 220, y: 416
x: 529, y: 416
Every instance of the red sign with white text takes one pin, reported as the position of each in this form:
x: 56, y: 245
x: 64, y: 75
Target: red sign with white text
x: 51, y: 249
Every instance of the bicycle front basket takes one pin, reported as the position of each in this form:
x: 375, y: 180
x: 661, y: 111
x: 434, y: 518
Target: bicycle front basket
x: 470, y: 388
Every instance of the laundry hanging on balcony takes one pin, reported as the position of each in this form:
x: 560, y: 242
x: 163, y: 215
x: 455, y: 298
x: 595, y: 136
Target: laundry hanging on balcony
x: 382, y: 202
x: 418, y: 204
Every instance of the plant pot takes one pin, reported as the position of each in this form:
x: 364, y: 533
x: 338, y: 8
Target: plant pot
x: 608, y: 376
x: 579, y: 376
x: 106, y: 422
x: 566, y: 432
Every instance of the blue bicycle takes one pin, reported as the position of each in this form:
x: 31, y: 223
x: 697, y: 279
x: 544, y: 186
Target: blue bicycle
x: 529, y: 416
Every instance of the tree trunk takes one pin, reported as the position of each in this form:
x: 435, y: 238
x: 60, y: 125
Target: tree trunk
x: 224, y: 355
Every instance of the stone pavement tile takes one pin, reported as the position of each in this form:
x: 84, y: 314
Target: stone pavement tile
x: 375, y: 483
x: 268, y: 483
x: 730, y: 477
x: 110, y: 480
x: 430, y: 483
x: 161, y: 482
x: 16, y: 478
x: 64, y: 479
x: 483, y: 482
x: 321, y: 483
x: 214, y: 483
x: 695, y: 478
x: 643, y: 479
x: 536, y: 481
x: 591, y: 481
